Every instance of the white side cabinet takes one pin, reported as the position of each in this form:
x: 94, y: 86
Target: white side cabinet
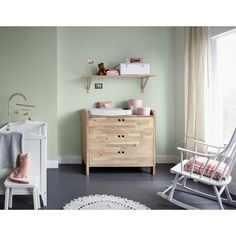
x: 35, y: 144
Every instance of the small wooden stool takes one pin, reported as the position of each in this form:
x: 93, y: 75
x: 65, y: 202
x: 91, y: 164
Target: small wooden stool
x: 33, y: 185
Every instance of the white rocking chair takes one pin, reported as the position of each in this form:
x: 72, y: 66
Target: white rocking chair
x: 209, y: 168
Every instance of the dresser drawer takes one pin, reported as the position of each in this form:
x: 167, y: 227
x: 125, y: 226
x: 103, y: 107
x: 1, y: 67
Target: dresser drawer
x: 121, y: 139
x: 121, y: 157
x: 120, y: 125
x: 117, y: 151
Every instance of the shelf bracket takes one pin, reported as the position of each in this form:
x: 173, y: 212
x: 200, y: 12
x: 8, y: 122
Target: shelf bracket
x: 89, y: 80
x: 143, y: 83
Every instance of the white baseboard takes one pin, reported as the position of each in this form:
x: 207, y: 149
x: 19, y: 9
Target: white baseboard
x: 232, y: 188
x: 70, y: 159
x: 167, y: 159
x: 77, y: 159
x: 52, y: 163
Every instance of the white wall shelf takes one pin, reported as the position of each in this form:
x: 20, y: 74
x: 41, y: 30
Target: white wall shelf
x: 144, y: 79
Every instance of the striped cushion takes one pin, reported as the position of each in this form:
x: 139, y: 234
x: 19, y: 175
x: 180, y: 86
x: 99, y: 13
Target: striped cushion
x: 199, y: 165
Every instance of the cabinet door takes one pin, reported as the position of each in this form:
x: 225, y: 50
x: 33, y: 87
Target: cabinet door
x: 33, y: 148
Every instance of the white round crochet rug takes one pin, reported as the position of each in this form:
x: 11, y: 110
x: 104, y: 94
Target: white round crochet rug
x: 103, y: 202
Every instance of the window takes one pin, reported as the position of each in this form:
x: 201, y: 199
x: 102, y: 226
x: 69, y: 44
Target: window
x: 221, y: 116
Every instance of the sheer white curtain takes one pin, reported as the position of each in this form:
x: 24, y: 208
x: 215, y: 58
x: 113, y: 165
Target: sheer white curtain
x: 196, y: 73
x: 214, y: 112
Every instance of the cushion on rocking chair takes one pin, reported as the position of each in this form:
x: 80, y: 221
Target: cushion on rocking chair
x: 199, y: 165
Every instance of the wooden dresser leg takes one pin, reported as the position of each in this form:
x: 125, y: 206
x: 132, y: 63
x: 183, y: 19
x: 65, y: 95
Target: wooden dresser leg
x: 87, y: 170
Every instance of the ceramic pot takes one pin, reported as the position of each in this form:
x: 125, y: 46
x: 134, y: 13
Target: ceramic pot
x: 134, y: 104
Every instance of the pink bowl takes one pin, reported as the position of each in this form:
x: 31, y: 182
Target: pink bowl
x: 143, y: 111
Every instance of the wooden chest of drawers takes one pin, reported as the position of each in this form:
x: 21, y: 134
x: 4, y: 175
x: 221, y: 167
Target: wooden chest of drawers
x: 118, y: 141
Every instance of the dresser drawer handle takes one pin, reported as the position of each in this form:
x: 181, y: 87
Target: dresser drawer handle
x: 123, y: 119
x: 123, y: 152
x: 123, y: 136
x: 119, y: 120
x: 118, y: 136
x: 118, y: 151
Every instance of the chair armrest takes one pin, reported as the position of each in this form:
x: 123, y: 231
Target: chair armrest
x: 195, y: 153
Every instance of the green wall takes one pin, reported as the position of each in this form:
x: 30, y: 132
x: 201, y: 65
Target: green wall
x: 28, y: 64
x: 113, y: 45
x: 48, y: 65
x: 179, y: 40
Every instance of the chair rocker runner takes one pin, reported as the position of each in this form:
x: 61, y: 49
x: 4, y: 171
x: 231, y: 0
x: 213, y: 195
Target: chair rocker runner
x: 210, y: 168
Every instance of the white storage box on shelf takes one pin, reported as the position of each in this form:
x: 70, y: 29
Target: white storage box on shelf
x: 134, y: 69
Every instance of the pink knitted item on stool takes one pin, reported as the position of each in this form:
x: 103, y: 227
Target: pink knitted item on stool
x: 19, y: 174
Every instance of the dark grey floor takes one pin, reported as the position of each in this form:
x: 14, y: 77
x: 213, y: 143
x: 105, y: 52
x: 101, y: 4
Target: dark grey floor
x: 69, y: 182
